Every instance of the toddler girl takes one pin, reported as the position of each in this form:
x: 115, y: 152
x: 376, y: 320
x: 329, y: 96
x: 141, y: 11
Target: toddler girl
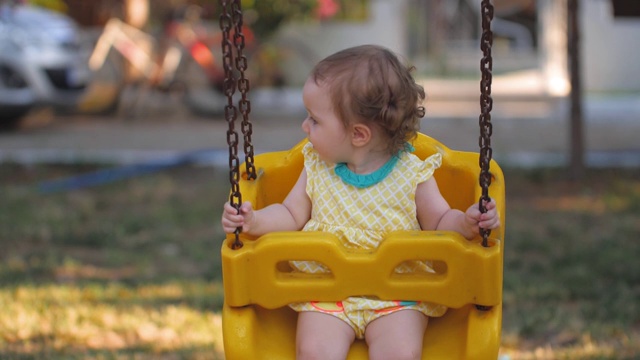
x: 360, y: 182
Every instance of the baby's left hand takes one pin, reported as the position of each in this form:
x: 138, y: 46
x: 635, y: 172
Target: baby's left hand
x: 476, y: 220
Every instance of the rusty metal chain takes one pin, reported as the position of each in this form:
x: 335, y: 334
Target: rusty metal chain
x: 486, y: 128
x: 486, y: 104
x: 244, y: 105
x: 231, y: 19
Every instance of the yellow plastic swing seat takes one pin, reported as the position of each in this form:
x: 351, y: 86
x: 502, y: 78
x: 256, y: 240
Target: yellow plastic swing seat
x: 258, y: 284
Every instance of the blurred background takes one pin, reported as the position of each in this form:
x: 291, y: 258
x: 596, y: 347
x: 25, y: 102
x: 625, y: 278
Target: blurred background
x: 114, y: 159
x: 108, y: 65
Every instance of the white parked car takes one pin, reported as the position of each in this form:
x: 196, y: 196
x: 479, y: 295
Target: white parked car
x: 41, y: 62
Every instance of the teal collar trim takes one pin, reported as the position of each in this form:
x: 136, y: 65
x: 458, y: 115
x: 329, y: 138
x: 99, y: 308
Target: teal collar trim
x: 362, y: 181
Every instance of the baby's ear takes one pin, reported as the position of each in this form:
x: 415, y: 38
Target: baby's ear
x: 360, y: 134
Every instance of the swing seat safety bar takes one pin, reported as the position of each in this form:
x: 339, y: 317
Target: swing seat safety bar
x: 462, y: 270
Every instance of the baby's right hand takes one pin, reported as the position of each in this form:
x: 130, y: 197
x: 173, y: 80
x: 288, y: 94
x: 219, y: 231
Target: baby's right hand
x: 231, y: 220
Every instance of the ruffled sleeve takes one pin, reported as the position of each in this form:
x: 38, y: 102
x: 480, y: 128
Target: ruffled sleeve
x: 310, y: 156
x: 310, y: 164
x: 427, y: 167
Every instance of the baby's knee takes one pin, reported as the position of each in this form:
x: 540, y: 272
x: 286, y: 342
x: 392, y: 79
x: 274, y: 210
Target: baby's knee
x: 310, y: 349
x: 395, y: 352
x: 322, y: 336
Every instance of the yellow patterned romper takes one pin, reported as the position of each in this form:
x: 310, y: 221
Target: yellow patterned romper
x: 361, y: 217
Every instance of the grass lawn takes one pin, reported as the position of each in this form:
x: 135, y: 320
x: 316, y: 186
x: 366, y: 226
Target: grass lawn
x: 130, y: 270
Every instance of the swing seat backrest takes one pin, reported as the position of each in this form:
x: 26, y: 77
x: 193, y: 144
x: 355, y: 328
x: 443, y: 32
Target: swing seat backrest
x: 258, y: 282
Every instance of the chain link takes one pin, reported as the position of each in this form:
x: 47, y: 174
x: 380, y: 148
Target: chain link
x: 231, y: 19
x: 486, y: 105
x: 244, y: 105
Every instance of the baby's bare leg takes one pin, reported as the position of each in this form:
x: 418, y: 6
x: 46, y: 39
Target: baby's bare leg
x: 396, y: 336
x: 322, y: 336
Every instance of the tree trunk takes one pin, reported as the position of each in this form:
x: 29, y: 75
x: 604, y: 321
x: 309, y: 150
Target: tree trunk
x: 577, y: 142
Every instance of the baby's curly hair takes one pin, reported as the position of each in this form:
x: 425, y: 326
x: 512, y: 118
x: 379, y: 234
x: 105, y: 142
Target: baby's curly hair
x: 369, y: 84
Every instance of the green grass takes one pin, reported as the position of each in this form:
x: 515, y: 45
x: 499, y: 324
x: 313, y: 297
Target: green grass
x: 571, y: 278
x: 131, y: 270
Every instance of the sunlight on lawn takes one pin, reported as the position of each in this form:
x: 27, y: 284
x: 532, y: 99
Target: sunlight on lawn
x: 584, y: 348
x: 64, y: 318
x: 150, y: 320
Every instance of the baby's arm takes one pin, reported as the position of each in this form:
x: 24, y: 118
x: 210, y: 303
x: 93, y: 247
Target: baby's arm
x: 434, y: 213
x: 291, y: 214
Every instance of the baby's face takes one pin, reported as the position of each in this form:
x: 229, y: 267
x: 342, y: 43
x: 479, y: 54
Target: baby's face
x: 324, y: 129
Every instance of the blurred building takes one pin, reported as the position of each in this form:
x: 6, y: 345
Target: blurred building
x: 611, y: 36
x: 442, y: 38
